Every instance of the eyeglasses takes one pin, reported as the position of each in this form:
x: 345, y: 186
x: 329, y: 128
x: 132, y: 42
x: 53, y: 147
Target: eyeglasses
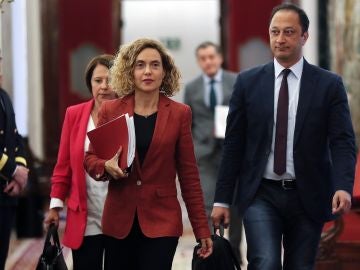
x: 288, y: 32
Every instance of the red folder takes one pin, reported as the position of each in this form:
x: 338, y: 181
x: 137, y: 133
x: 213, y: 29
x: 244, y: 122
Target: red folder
x: 107, y: 139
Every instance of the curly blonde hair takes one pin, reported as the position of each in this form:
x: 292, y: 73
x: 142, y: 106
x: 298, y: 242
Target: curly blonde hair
x: 122, y: 71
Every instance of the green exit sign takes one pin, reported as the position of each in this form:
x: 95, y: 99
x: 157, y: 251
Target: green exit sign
x: 171, y: 43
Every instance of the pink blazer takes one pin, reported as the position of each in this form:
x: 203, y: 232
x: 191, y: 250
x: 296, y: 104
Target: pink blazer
x: 150, y: 191
x: 68, y: 180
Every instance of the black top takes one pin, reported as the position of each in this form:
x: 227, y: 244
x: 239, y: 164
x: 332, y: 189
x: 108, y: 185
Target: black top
x: 144, y: 130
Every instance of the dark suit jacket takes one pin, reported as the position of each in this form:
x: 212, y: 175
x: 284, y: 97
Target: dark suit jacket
x: 11, y: 146
x: 324, y: 145
x: 150, y: 190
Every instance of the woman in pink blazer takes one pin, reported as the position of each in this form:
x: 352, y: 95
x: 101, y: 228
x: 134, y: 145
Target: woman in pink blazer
x: 142, y: 214
x: 85, y: 197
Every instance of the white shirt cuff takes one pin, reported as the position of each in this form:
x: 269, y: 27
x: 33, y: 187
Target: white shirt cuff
x: 55, y: 202
x: 15, y: 170
x: 226, y: 205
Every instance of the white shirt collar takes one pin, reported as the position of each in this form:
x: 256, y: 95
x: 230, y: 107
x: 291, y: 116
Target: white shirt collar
x: 217, y: 77
x: 296, y: 69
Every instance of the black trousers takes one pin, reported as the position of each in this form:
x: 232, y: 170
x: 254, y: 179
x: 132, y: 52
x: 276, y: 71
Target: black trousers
x: 90, y: 254
x: 7, y: 216
x: 138, y: 252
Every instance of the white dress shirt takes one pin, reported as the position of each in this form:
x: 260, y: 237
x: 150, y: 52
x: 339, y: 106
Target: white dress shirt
x: 293, y: 79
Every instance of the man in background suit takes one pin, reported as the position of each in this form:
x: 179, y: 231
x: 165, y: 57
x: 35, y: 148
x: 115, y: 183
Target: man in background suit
x: 286, y: 193
x: 207, y: 147
x: 13, y: 171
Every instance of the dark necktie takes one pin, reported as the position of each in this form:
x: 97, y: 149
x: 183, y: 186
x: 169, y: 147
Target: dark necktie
x: 281, y: 126
x: 212, y: 97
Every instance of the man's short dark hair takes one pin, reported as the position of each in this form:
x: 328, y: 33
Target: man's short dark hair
x: 304, y: 20
x: 206, y: 44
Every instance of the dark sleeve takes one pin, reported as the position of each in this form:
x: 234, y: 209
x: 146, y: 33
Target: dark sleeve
x: 341, y: 138
x: 233, y: 146
x: 9, y: 164
x: 13, y: 153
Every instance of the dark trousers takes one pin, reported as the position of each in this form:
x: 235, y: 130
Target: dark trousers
x: 7, y: 216
x: 90, y: 254
x: 276, y: 217
x: 138, y: 252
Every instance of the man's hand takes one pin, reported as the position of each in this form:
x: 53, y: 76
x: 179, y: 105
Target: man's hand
x: 21, y: 176
x: 13, y: 188
x: 341, y: 202
x: 112, y: 167
x: 220, y: 215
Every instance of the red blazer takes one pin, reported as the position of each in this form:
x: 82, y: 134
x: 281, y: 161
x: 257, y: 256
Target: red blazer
x: 68, y: 180
x: 150, y: 191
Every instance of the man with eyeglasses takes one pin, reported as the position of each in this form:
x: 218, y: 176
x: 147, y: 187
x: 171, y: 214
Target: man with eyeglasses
x: 290, y: 148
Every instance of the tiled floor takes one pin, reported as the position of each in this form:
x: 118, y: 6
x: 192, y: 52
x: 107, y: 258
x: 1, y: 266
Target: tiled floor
x: 24, y: 254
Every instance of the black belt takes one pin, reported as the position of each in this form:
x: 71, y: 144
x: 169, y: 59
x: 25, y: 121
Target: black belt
x: 283, y: 183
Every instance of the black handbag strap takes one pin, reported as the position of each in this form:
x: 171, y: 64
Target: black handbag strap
x: 52, y: 233
x: 220, y: 229
x: 221, y: 234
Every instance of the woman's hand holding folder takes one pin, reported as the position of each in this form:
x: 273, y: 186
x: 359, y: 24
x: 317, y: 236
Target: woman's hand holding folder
x: 112, y: 166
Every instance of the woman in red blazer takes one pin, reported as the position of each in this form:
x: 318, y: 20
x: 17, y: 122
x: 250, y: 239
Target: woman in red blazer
x: 84, y: 196
x: 142, y: 214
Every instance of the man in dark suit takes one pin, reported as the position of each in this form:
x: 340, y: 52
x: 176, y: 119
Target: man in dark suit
x: 207, y: 147
x: 13, y: 171
x: 292, y: 175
